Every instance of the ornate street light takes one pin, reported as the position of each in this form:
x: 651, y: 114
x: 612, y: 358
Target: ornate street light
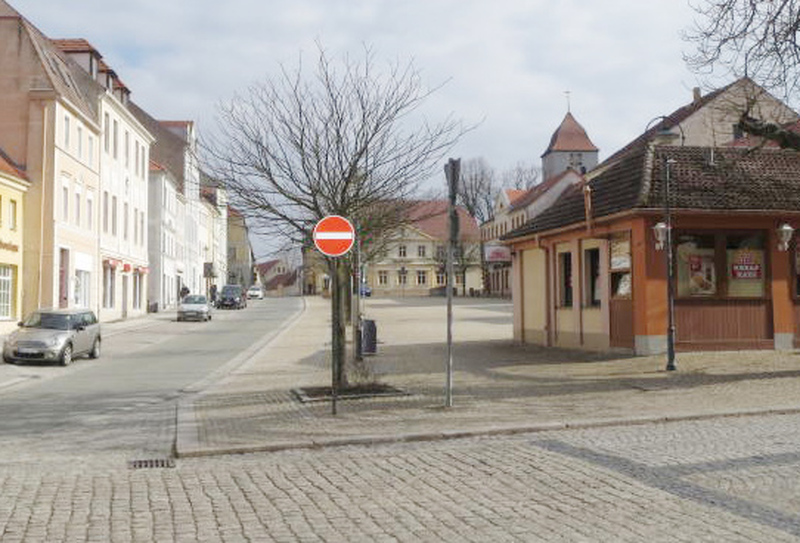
x: 662, y: 232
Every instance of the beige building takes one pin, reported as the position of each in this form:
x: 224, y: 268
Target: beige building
x: 240, y: 254
x: 48, y: 126
x: 413, y: 263
x: 13, y: 187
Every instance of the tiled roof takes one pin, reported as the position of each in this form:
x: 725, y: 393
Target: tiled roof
x: 430, y: 217
x: 168, y: 150
x: 570, y: 136
x: 76, y: 45
x: 701, y: 178
x: 514, y: 194
x: 9, y: 168
x: 67, y: 78
x: 536, y: 191
x: 265, y: 267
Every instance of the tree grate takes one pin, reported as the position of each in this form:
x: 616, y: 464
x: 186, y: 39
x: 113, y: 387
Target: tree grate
x: 152, y: 463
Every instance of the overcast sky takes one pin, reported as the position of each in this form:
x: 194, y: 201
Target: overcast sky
x: 505, y: 63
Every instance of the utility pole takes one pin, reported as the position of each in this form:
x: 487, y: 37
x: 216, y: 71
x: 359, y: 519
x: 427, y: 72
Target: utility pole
x: 452, y: 171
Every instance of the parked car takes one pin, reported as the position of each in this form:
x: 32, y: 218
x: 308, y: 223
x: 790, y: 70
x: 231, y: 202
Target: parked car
x: 194, y: 307
x: 366, y: 291
x: 232, y: 297
x: 255, y: 292
x: 54, y: 335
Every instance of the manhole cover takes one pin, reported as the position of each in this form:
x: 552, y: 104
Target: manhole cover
x: 152, y: 463
x: 320, y: 394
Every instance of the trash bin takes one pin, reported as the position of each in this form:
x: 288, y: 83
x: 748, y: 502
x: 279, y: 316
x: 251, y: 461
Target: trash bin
x: 369, y: 337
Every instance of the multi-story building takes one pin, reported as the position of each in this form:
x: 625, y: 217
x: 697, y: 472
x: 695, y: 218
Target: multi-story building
x: 165, y: 230
x: 413, y: 262
x: 13, y: 187
x: 240, y: 253
x: 49, y: 127
x: 124, y: 157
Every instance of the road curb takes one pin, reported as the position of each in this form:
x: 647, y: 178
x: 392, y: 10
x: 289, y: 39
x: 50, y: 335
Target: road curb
x: 197, y: 451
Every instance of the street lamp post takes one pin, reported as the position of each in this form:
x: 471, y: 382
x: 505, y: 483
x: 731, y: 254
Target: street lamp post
x: 663, y: 235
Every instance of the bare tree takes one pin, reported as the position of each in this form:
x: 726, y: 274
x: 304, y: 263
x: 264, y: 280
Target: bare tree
x: 340, y: 141
x: 521, y: 176
x: 477, y: 188
x: 758, y: 39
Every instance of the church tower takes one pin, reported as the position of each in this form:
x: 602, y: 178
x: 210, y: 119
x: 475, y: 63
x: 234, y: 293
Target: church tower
x: 570, y: 148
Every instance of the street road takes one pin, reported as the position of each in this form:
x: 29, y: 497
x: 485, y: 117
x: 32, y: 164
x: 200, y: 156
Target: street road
x: 732, y: 480
x: 125, y: 401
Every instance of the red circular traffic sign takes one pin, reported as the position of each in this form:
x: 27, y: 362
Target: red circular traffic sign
x: 334, y: 235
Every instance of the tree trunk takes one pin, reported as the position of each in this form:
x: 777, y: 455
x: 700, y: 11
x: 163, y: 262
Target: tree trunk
x: 338, y: 378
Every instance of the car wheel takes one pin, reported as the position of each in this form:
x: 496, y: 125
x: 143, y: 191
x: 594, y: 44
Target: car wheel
x: 8, y: 360
x: 95, y: 352
x: 66, y: 355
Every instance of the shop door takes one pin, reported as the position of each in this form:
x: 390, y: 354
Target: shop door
x: 621, y: 322
x: 63, y: 278
x: 124, y: 296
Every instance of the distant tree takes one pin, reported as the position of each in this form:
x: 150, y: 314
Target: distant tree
x: 339, y: 141
x: 477, y: 188
x: 522, y: 176
x: 751, y: 38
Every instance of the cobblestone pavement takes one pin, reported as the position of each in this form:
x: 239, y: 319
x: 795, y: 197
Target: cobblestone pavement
x: 714, y: 480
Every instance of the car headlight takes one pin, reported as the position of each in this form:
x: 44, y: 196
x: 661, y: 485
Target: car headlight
x: 56, y: 341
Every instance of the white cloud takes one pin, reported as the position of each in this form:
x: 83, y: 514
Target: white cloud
x: 506, y: 63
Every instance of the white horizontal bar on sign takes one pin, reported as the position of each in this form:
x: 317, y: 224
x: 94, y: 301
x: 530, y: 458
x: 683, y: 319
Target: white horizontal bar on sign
x: 333, y: 235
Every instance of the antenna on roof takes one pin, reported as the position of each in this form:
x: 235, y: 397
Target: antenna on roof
x: 567, y: 93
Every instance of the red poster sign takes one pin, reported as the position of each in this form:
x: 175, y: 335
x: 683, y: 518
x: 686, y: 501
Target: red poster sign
x: 334, y: 236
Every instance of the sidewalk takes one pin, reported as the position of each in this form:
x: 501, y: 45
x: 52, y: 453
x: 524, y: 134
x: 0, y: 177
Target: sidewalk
x: 499, y: 387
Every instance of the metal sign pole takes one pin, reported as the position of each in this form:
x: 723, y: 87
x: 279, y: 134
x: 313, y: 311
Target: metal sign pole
x: 452, y: 170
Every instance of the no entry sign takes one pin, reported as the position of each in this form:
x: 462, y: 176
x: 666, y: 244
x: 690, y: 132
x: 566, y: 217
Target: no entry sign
x: 334, y: 235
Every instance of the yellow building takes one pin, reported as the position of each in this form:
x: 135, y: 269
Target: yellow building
x: 13, y: 187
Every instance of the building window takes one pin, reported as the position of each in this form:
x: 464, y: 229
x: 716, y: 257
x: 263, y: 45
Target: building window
x: 730, y: 265
x: 565, y: 280
x: 89, y: 210
x: 136, y: 161
x: 90, y: 149
x: 82, y: 288
x: 620, y: 265
x: 441, y: 253
x: 77, y: 213
x: 696, y: 265
x: 127, y: 143
x: 422, y: 277
x: 115, y: 141
x: 66, y: 132
x: 592, y: 289
x: 401, y: 251
x: 106, y: 132
x: 114, y: 215
x: 79, y: 136
x: 6, y: 292
x: 125, y: 221
x: 383, y: 277
x: 105, y: 211
x: 12, y: 214
x: 421, y: 251
x: 64, y: 202
x: 109, y: 280
x: 402, y: 276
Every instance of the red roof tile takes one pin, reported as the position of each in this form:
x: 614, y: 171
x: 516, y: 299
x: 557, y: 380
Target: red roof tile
x: 570, y: 136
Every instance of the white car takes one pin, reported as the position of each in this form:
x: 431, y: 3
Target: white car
x: 255, y: 292
x: 194, y: 307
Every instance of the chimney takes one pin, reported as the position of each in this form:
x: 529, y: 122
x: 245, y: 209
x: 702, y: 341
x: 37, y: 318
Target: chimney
x: 696, y: 95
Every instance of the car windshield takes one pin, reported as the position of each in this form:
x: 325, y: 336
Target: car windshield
x: 195, y: 299
x: 51, y: 321
x: 230, y: 291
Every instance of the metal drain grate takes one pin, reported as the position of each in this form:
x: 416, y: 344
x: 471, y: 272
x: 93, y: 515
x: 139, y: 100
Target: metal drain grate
x: 152, y: 463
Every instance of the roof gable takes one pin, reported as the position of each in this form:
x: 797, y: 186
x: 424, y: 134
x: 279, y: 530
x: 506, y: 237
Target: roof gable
x: 570, y: 136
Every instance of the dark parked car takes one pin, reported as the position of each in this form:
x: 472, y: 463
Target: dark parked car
x: 54, y: 335
x: 232, y: 297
